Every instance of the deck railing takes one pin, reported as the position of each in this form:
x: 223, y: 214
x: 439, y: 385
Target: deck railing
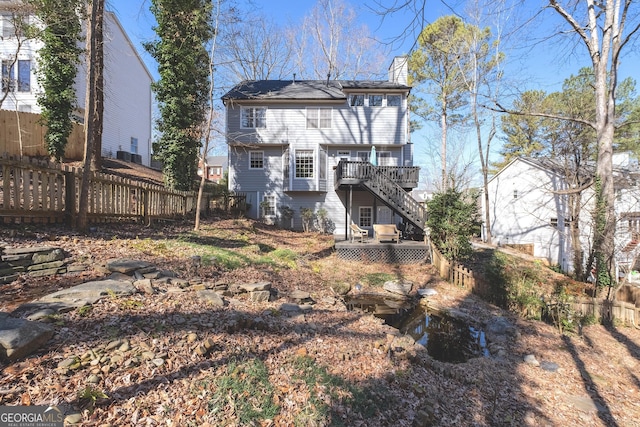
x: 379, y: 180
x: 404, y: 176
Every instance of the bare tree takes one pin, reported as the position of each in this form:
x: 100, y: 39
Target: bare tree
x: 483, y: 80
x: 330, y: 43
x: 604, y: 28
x: 255, y: 48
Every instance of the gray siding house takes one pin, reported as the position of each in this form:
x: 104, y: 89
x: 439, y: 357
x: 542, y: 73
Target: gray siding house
x: 337, y: 145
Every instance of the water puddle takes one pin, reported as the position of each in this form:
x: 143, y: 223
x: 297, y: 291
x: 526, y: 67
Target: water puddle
x: 446, y: 339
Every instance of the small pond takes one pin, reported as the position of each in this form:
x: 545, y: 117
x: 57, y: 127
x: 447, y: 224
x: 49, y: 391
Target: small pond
x: 446, y: 339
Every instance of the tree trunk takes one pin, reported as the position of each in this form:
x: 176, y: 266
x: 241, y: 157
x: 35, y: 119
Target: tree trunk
x: 443, y: 146
x: 98, y: 111
x: 93, y: 107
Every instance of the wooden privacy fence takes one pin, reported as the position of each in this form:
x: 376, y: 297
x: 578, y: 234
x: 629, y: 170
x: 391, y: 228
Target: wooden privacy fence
x: 21, y: 134
x: 459, y: 275
x: 602, y: 309
x: 37, y: 191
x: 607, y: 310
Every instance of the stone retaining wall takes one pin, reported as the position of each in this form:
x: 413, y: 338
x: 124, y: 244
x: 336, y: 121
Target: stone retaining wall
x: 34, y: 261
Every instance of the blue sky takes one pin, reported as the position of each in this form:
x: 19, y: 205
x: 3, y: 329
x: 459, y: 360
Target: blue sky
x: 541, y: 65
x: 534, y: 64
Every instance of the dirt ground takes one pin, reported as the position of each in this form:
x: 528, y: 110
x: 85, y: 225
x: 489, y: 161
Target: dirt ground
x: 586, y: 379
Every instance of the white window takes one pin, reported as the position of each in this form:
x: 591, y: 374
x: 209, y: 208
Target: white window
x: 215, y: 170
x: 253, y: 117
x: 304, y: 164
x: 515, y: 194
x: 363, y: 156
x: 256, y: 160
x: 8, y: 27
x: 375, y: 100
x: 344, y: 155
x: 553, y: 222
x: 7, y: 77
x: 24, y: 75
x: 268, y: 205
x: 134, y: 145
x: 318, y: 118
x: 394, y: 100
x: 365, y: 216
x: 384, y: 158
x: 356, y: 100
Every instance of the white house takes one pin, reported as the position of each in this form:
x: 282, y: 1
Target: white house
x: 127, y: 85
x: 334, y: 146
x: 529, y: 205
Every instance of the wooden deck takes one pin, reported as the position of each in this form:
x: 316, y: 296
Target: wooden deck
x: 405, y: 252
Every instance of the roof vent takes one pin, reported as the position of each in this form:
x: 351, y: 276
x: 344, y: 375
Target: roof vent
x: 294, y: 78
x: 328, y: 77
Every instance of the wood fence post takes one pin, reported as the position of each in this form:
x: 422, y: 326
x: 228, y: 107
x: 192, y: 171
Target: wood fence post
x: 70, y: 197
x: 145, y: 206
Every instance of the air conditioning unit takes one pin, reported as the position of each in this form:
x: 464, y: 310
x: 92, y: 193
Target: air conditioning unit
x: 123, y: 155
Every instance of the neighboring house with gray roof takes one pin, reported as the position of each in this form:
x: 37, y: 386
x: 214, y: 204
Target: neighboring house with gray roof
x: 217, y: 166
x: 529, y: 205
x: 320, y: 145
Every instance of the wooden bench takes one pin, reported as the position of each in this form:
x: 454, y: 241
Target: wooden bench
x: 386, y: 232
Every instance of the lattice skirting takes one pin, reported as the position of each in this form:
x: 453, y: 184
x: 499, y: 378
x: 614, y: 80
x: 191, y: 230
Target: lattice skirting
x: 392, y: 254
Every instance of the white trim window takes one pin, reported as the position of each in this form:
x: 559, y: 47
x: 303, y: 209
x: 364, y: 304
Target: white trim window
x: 268, y: 205
x: 256, y: 159
x: 365, y: 216
x: 304, y: 164
x: 8, y: 83
x: 356, y: 100
x: 253, y: 117
x: 134, y: 145
x: 319, y: 118
x: 344, y: 155
x: 394, y: 100
x: 384, y: 158
x: 363, y: 156
x: 375, y: 100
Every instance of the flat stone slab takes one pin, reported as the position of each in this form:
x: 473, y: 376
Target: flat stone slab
x: 397, y: 287
x: 77, y: 296
x: 48, y: 256
x: 126, y: 266
x: 92, y: 291
x: 300, y: 295
x: 21, y: 337
x: 252, y: 287
x: 211, y: 297
x: 20, y: 251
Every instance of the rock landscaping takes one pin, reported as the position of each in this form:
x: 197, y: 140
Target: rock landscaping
x: 147, y: 336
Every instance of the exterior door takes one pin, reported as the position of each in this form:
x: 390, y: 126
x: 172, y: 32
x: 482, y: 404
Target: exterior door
x: 384, y: 215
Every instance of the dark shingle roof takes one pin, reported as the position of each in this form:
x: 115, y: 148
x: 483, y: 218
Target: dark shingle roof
x: 286, y: 89
x: 303, y: 89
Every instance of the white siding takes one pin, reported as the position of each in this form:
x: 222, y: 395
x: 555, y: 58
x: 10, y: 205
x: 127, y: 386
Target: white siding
x: 127, y: 109
x: 286, y: 124
x: 523, y: 201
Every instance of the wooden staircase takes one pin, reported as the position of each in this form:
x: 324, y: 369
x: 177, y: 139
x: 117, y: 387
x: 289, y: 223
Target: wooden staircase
x: 381, y: 182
